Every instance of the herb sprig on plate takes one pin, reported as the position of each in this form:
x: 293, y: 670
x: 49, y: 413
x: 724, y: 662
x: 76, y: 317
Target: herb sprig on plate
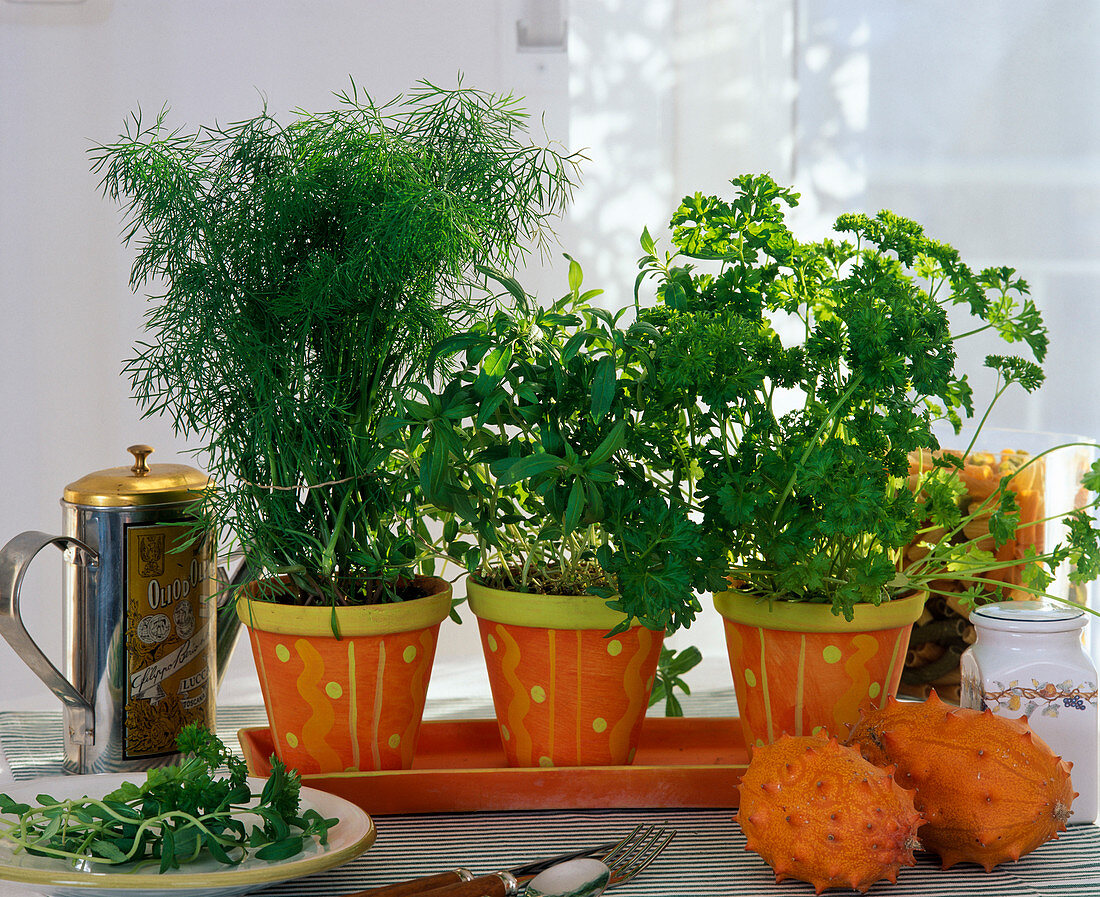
x: 176, y: 815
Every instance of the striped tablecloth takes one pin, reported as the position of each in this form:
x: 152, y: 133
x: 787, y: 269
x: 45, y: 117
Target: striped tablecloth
x: 707, y: 857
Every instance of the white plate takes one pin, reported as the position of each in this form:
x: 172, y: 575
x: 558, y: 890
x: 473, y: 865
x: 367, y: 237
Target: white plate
x: 205, y: 877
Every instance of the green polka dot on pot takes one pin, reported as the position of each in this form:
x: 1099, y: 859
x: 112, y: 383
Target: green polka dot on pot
x: 831, y: 654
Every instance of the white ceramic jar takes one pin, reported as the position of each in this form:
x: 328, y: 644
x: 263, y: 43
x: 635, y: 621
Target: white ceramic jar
x: 1029, y: 660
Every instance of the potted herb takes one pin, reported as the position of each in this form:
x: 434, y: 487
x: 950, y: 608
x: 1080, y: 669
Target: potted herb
x: 309, y: 267
x: 808, y: 373
x: 536, y: 458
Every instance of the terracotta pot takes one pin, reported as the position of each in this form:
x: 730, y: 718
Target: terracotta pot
x: 349, y: 703
x: 797, y: 668
x: 564, y: 693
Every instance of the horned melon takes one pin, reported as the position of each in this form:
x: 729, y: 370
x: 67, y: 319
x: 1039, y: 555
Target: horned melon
x: 989, y: 788
x: 818, y: 812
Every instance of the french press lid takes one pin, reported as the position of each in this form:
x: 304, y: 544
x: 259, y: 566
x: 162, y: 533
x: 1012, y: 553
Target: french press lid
x: 139, y: 484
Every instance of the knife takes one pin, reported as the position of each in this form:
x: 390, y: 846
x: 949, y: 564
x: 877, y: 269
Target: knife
x: 429, y: 884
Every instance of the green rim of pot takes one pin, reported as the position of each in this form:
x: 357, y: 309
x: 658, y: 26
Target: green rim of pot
x: 800, y: 616
x: 370, y: 619
x: 541, y: 611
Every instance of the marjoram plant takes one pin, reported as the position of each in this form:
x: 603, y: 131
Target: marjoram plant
x: 538, y: 456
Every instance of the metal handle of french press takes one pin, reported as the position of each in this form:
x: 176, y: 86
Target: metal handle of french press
x: 15, y: 557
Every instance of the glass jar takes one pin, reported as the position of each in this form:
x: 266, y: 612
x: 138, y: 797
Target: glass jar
x: 1029, y: 660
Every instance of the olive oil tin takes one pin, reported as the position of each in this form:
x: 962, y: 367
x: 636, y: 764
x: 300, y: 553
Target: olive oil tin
x: 138, y: 614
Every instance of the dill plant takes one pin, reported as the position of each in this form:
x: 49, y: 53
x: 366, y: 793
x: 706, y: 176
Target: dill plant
x: 308, y: 267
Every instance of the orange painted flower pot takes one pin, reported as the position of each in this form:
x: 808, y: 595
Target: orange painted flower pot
x: 352, y: 703
x: 797, y: 668
x: 564, y: 693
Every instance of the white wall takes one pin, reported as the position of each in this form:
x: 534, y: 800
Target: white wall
x: 980, y: 121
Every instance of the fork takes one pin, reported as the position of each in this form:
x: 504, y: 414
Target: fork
x: 589, y: 877
x: 636, y: 851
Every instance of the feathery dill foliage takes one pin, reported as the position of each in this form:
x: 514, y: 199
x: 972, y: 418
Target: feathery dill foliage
x: 795, y: 451
x: 308, y: 268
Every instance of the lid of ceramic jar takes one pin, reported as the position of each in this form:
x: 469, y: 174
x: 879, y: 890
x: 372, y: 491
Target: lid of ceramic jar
x: 1028, y: 616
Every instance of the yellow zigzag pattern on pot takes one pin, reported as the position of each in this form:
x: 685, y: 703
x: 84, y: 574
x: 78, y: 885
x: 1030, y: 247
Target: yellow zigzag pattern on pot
x: 847, y: 706
x: 637, y: 689
x: 319, y: 725
x: 418, y: 692
x: 518, y: 703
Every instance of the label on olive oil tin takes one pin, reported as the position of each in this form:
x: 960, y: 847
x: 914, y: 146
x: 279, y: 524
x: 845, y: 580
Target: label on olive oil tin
x: 168, y: 644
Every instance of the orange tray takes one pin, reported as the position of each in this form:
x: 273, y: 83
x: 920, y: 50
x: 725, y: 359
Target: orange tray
x: 460, y: 766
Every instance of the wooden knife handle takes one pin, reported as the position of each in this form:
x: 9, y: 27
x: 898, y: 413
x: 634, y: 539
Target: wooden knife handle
x: 499, y: 884
x: 417, y: 885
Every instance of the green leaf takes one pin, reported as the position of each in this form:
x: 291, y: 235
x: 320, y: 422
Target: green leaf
x: 1091, y: 479
x: 450, y: 529
x: 604, y: 382
x: 508, y: 282
x: 573, y: 346
x: 472, y: 558
x: 509, y: 470
x: 53, y: 826
x: 489, y: 406
x: 648, y: 246
x: 495, y: 364
x: 611, y: 444
x: 277, y: 824
x: 281, y: 850
x: 218, y: 852
x: 576, y: 276
x: 435, y: 466
x: 8, y: 806
x: 167, y: 850
x: 575, y: 506
x: 552, y: 319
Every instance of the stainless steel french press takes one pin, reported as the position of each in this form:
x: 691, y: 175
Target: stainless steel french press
x: 140, y: 640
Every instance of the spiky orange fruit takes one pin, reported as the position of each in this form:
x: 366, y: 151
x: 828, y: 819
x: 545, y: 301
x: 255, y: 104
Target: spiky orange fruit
x: 989, y: 788
x: 818, y: 812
